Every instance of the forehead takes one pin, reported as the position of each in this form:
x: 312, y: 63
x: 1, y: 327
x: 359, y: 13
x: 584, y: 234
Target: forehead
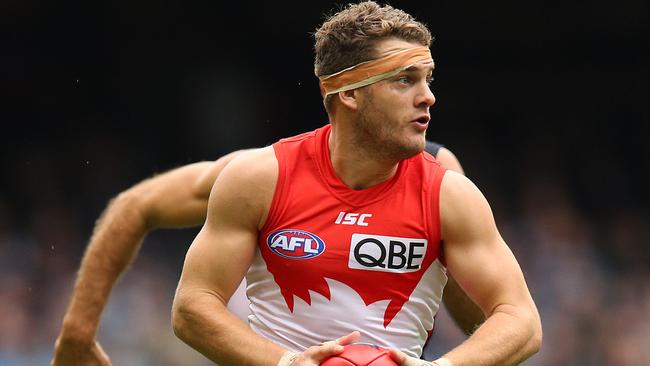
x: 421, y: 67
x: 387, y: 45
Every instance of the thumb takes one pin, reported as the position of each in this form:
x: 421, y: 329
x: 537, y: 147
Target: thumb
x: 397, y: 356
x: 328, y: 349
x: 103, y: 358
x: 402, y: 359
x: 348, y: 338
x: 331, y: 348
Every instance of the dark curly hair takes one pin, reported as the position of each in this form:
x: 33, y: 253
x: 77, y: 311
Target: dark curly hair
x: 347, y: 37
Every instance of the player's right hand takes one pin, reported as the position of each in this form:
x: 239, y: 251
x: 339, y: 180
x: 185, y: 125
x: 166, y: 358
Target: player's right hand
x: 314, y: 355
x: 75, y: 353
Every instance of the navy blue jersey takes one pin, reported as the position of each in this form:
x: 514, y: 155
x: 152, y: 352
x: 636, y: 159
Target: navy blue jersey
x: 432, y: 148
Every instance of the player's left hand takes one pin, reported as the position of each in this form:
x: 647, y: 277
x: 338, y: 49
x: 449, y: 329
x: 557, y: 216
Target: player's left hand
x: 72, y: 353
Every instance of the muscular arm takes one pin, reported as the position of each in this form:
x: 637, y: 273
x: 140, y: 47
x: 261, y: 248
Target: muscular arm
x: 174, y: 199
x: 216, y: 263
x: 486, y: 269
x: 467, y: 315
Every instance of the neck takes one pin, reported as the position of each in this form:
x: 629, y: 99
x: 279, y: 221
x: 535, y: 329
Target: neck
x: 355, y: 166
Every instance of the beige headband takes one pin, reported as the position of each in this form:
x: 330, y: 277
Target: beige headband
x: 372, y: 71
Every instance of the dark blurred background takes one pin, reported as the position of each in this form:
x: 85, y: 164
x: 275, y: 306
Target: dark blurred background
x: 547, y: 106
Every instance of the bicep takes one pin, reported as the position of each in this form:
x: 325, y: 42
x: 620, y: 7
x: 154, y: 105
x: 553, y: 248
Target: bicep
x: 476, y: 254
x: 218, y: 259
x: 224, y: 248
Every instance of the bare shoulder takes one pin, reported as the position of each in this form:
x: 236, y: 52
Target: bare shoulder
x: 203, y: 184
x: 463, y: 207
x: 457, y: 186
x: 256, y: 166
x: 246, y: 184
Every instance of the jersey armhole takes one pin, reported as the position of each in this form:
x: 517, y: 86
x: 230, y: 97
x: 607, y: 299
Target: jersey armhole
x: 277, y: 208
x: 432, y: 210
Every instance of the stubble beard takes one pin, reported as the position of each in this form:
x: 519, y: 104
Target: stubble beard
x: 378, y: 139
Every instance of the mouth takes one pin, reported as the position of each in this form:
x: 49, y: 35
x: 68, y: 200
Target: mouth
x: 421, y: 122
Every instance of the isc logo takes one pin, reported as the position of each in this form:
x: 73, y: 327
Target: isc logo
x: 295, y: 244
x: 349, y: 218
x: 386, y: 253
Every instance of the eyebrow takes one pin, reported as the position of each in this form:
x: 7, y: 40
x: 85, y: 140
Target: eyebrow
x: 413, y: 68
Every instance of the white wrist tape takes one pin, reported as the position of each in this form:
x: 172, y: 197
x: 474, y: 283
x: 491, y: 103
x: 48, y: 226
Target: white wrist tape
x: 412, y: 361
x: 442, y: 361
x: 287, y: 358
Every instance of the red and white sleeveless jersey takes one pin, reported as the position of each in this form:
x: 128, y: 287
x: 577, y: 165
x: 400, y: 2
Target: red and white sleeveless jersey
x: 331, y: 259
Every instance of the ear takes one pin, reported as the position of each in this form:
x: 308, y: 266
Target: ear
x: 349, y: 99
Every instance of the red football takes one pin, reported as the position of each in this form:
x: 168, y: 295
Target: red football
x: 361, y: 355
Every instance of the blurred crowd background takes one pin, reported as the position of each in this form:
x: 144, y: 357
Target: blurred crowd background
x: 547, y: 106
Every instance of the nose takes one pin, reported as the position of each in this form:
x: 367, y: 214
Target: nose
x: 425, y: 96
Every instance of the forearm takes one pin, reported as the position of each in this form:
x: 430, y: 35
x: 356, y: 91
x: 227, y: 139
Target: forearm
x: 467, y: 315
x: 202, y: 321
x: 115, y: 242
x: 509, y: 336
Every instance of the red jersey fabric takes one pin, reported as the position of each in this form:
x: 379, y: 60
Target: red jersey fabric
x: 375, y: 244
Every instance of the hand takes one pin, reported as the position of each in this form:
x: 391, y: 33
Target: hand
x: 314, y: 355
x: 69, y: 352
x: 404, y: 360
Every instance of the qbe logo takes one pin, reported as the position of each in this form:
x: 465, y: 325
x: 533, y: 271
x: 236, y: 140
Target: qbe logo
x: 295, y: 244
x: 386, y: 253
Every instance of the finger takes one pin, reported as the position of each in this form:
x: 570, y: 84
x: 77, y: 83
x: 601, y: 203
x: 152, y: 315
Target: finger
x: 397, y: 356
x: 349, y: 338
x: 101, y: 355
x: 402, y: 359
x: 331, y: 348
x: 327, y: 349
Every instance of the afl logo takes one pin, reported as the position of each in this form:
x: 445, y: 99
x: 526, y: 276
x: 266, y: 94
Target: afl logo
x: 295, y: 244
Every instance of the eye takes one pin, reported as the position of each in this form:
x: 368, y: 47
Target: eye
x: 404, y: 79
x: 430, y: 80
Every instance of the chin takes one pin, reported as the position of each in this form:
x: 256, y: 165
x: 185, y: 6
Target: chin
x: 417, y: 145
x: 410, y: 149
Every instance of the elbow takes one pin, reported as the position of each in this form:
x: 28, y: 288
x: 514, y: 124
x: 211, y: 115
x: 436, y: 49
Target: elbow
x: 534, y: 343
x: 194, y: 320
x: 181, y: 314
x: 530, y: 331
x: 133, y: 205
x: 128, y: 199
x: 536, y: 339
